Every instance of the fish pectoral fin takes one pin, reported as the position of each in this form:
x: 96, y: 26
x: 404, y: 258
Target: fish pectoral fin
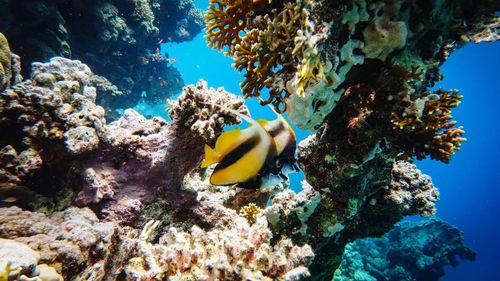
x: 211, y: 157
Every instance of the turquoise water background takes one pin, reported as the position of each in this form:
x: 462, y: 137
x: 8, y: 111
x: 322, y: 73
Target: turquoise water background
x: 469, y: 185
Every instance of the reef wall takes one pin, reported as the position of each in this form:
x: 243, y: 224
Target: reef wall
x: 355, y: 72
x: 117, y: 39
x: 411, y: 251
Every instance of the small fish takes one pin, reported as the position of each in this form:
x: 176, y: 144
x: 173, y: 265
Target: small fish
x: 9, y: 199
x: 254, y: 157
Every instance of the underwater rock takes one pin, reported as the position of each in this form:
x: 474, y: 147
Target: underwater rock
x: 48, y: 118
x: 66, y: 241
x: 19, y: 262
x: 59, y: 140
x: 117, y: 39
x: 411, y: 251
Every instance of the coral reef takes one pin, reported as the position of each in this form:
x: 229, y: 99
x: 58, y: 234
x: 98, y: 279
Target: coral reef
x: 358, y: 73
x: 67, y: 241
x: 305, y: 52
x: 59, y: 142
x: 240, y: 252
x: 117, y: 39
x: 411, y: 251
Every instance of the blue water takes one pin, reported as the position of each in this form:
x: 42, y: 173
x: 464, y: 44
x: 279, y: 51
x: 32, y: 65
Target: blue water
x: 469, y: 185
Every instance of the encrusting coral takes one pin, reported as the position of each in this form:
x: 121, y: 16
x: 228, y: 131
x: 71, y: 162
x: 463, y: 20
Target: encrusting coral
x: 66, y: 241
x: 411, y: 251
x: 20, y: 262
x: 10, y: 68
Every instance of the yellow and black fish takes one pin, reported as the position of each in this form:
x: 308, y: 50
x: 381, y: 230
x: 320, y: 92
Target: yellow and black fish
x: 257, y: 156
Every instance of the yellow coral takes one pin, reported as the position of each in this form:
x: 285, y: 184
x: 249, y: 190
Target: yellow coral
x: 5, y: 63
x: 250, y: 212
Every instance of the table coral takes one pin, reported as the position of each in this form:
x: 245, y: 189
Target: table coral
x: 411, y: 251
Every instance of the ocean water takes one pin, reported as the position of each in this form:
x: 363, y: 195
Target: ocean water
x: 469, y: 185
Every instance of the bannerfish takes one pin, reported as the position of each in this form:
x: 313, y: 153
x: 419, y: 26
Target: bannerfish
x: 258, y: 156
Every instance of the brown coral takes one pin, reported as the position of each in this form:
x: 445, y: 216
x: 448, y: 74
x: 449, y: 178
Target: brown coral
x: 271, y: 46
x: 270, y: 56
x: 227, y: 21
x: 430, y: 130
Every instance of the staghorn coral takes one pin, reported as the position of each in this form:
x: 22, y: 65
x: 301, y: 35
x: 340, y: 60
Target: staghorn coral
x: 411, y: 251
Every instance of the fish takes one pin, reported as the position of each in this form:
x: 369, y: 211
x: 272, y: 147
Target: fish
x: 10, y: 199
x: 259, y: 156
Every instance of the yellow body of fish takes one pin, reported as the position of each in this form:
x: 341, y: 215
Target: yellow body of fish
x: 243, y: 156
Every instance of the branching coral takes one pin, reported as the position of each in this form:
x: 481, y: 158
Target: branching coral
x: 250, y: 212
x: 427, y: 123
x: 238, y: 253
x: 272, y: 48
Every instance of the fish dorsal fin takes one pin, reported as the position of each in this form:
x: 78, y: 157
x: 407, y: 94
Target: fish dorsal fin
x: 248, y: 119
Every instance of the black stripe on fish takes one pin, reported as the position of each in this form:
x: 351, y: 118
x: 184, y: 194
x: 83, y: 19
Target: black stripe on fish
x: 238, y: 152
x: 275, y: 130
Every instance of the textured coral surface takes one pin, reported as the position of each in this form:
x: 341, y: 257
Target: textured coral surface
x: 117, y: 39
x: 411, y: 251
x: 125, y: 200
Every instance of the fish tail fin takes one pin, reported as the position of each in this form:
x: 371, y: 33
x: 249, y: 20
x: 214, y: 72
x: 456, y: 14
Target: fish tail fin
x: 211, y: 157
